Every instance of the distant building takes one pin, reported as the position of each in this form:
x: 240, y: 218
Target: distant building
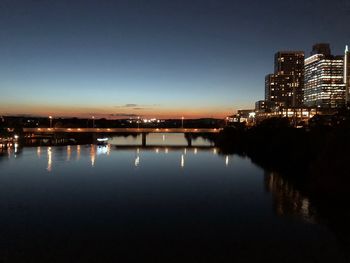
x: 245, y: 113
x: 324, y: 79
x: 264, y: 105
x: 280, y: 90
x: 285, y: 86
x: 347, y: 74
x: 297, y: 116
x: 247, y: 116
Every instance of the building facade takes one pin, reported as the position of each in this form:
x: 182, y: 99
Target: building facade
x: 324, y: 80
x: 265, y: 105
x: 347, y: 74
x: 285, y: 86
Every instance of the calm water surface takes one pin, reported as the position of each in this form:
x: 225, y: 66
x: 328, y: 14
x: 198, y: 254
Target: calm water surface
x: 92, y: 203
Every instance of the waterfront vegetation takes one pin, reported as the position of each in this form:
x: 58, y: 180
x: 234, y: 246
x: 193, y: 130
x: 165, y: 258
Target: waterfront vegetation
x: 320, y: 151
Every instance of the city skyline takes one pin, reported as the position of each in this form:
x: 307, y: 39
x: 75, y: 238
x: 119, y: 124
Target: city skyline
x: 120, y: 59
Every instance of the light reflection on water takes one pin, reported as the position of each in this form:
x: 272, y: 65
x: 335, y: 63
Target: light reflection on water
x: 78, y: 152
x: 158, y: 139
x: 96, y: 151
x: 69, y: 152
x: 38, y: 152
x: 223, y: 199
x: 49, y: 159
x: 288, y: 201
x: 92, y: 155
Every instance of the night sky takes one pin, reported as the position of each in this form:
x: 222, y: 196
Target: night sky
x: 154, y: 58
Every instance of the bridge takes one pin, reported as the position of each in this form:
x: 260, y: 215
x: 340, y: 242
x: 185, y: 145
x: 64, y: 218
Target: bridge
x: 120, y: 130
x: 42, y: 132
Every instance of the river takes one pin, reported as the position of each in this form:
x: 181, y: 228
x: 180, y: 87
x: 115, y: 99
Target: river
x: 88, y: 203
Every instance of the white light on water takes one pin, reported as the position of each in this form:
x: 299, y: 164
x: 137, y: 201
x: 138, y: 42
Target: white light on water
x: 49, y: 159
x: 102, y: 150
x: 137, y: 161
x: 182, y: 161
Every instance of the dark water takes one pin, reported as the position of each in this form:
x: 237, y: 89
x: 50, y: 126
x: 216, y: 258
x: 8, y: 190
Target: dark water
x: 101, y: 203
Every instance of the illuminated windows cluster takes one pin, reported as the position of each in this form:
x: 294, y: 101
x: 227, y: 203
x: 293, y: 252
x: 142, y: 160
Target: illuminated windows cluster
x: 324, y: 79
x: 285, y: 86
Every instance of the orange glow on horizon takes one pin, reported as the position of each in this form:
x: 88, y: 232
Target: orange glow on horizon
x: 112, y: 113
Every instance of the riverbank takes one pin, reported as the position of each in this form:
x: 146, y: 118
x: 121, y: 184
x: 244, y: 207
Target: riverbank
x: 315, y: 160
x: 319, y: 153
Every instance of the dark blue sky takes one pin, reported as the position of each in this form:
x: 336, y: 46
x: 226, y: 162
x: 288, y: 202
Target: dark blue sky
x: 152, y: 57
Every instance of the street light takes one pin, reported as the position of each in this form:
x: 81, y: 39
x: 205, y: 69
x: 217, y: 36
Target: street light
x: 50, y: 117
x: 138, y: 122
x: 93, y: 121
x: 182, y: 122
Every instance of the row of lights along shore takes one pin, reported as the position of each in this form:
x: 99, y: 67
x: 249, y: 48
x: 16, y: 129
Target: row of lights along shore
x: 138, y: 121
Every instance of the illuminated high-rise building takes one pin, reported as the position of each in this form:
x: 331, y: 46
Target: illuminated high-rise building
x: 324, y: 79
x: 347, y: 74
x: 285, y: 86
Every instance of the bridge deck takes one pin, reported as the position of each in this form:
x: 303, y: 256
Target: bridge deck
x: 120, y: 130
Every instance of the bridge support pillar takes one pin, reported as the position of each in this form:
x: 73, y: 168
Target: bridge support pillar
x: 143, y: 136
x: 189, y: 142
x: 188, y: 137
